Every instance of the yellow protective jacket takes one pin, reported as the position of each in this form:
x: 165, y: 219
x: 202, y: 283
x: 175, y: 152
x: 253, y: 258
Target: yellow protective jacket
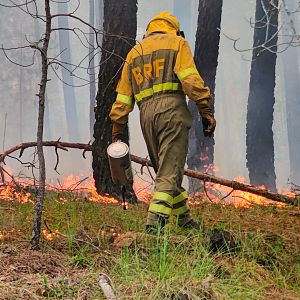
x: 162, y: 63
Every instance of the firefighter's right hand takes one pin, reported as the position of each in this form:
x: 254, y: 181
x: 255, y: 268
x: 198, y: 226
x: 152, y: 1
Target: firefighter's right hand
x: 118, y: 132
x: 209, y: 124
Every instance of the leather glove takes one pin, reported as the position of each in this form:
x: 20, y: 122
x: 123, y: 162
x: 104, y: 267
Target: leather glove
x: 209, y: 124
x: 118, y: 132
x: 208, y: 120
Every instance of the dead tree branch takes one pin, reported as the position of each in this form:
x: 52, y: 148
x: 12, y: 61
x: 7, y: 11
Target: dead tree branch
x: 235, y: 185
x: 286, y: 33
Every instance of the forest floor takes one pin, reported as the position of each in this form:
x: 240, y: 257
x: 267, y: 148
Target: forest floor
x: 82, y: 239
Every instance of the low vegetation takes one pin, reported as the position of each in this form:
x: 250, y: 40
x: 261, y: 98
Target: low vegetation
x: 82, y: 239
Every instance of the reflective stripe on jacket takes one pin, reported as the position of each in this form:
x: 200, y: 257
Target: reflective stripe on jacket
x: 162, y: 63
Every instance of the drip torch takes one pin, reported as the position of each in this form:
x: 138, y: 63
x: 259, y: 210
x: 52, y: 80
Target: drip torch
x: 120, y: 166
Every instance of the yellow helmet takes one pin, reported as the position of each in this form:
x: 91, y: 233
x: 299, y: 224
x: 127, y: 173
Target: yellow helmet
x: 165, y: 22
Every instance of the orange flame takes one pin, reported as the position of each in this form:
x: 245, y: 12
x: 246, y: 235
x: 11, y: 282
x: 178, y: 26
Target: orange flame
x: 6, y: 234
x: 86, y: 188
x: 224, y: 195
x: 8, y: 192
x: 49, y: 235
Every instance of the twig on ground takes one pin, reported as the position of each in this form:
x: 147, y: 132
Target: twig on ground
x: 295, y: 213
x: 7, y: 208
x: 223, y: 198
x: 75, y: 185
x: 29, y: 293
x: 74, y: 237
x: 206, y: 193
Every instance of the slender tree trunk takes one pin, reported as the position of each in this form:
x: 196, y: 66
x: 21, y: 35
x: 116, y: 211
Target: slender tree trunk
x: 259, y: 139
x: 92, y: 68
x: 47, y: 123
x: 201, y: 148
x: 68, y: 83
x: 292, y: 95
x: 36, y: 232
x: 120, y: 24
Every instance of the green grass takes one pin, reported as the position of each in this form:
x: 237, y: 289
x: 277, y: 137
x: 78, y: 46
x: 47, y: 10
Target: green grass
x: 176, y: 262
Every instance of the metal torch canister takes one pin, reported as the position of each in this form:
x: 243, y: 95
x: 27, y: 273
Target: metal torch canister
x: 119, y: 163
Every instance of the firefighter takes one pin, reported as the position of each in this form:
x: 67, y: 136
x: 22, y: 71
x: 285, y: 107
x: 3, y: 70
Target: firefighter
x: 159, y: 71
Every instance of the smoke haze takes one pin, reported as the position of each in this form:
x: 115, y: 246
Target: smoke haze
x: 18, y: 87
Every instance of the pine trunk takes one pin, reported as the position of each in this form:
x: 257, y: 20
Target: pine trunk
x: 120, y: 25
x: 259, y: 139
x: 201, y: 148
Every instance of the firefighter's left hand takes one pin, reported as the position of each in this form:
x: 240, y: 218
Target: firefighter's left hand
x: 209, y: 124
x: 118, y: 132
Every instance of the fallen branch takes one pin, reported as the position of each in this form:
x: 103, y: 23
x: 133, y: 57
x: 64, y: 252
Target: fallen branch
x: 7, y: 208
x: 235, y: 185
x: 294, y: 213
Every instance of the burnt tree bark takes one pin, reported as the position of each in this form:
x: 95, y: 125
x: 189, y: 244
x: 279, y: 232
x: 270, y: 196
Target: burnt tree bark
x: 120, y: 25
x: 259, y: 139
x: 201, y: 148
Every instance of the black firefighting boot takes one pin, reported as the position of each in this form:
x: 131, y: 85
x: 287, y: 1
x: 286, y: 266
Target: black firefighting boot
x: 156, y: 222
x: 185, y: 221
x: 192, y: 224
